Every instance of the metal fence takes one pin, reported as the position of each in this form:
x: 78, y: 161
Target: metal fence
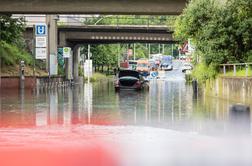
x: 233, y: 69
x: 111, y: 20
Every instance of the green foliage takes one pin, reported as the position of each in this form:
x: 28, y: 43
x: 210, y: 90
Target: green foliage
x: 203, y: 72
x: 11, y: 30
x: 12, y: 42
x: 97, y: 77
x: 220, y: 30
x: 249, y: 54
x: 129, y: 20
x: 141, y: 51
x: 104, y: 54
x: 11, y: 54
x: 80, y: 69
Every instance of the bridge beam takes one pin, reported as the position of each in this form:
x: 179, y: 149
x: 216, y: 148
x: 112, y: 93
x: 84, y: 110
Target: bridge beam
x: 93, y: 6
x: 80, y: 36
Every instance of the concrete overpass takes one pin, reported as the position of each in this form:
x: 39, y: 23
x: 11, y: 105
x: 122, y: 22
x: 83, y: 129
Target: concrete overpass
x: 148, y: 7
x: 102, y: 34
x: 110, y: 34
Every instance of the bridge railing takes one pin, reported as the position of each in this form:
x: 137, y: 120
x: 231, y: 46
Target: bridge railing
x: 111, y: 20
x: 236, y: 69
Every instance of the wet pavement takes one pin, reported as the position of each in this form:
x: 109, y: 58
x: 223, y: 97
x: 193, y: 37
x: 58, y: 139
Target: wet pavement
x: 93, y: 125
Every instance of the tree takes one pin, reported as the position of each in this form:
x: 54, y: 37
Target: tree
x: 11, y: 41
x: 221, y: 30
x: 11, y: 30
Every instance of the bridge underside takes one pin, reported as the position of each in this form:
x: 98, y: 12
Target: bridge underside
x: 110, y: 38
x: 109, y: 35
x: 93, y: 6
x: 76, y: 42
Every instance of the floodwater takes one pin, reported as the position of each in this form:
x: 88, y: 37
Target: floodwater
x: 91, y: 125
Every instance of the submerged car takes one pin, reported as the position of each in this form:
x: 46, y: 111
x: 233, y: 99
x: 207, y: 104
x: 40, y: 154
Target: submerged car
x: 186, y: 67
x: 166, y: 66
x: 132, y: 65
x: 143, y: 67
x: 130, y: 79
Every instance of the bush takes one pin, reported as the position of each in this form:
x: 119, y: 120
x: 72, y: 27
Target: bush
x: 220, y: 30
x: 249, y: 54
x: 97, y: 77
x: 11, y: 54
x: 202, y: 72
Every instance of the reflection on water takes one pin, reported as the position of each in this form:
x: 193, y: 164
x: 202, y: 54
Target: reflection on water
x: 168, y: 104
x: 166, y: 125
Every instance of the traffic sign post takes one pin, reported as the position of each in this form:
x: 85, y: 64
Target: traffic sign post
x: 41, y: 29
x: 41, y: 53
x: 41, y: 41
x: 66, y: 52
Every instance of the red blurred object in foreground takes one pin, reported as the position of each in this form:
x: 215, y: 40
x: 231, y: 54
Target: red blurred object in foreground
x: 60, y: 157
x: 56, y: 146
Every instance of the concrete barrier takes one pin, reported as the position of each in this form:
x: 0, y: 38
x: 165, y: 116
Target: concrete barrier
x: 33, y: 83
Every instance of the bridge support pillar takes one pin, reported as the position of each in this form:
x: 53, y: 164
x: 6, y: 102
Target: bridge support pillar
x: 52, y: 63
x: 76, y: 54
x: 69, y: 67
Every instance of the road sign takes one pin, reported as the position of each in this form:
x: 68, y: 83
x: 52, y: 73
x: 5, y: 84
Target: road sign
x: 41, y: 41
x: 154, y: 74
x: 88, y: 68
x: 66, y: 52
x: 41, y: 53
x: 40, y: 30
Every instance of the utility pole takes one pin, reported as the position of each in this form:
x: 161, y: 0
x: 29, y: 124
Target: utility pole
x: 89, y: 64
x: 134, y: 51
x: 163, y: 49
x: 149, y: 50
x: 118, y: 55
x: 172, y: 49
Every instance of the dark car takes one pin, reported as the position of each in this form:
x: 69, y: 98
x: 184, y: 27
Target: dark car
x: 130, y: 79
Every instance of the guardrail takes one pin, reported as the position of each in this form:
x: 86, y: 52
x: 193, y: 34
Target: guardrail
x: 235, y: 67
x: 111, y: 20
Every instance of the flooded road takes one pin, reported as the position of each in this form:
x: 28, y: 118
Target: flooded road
x: 93, y: 125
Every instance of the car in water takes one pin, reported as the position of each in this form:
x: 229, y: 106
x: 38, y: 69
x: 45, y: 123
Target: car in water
x: 132, y: 65
x: 167, y: 66
x: 143, y: 67
x: 186, y: 67
x: 130, y: 79
x: 166, y: 63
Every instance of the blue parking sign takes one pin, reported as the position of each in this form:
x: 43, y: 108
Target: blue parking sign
x: 41, y: 29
